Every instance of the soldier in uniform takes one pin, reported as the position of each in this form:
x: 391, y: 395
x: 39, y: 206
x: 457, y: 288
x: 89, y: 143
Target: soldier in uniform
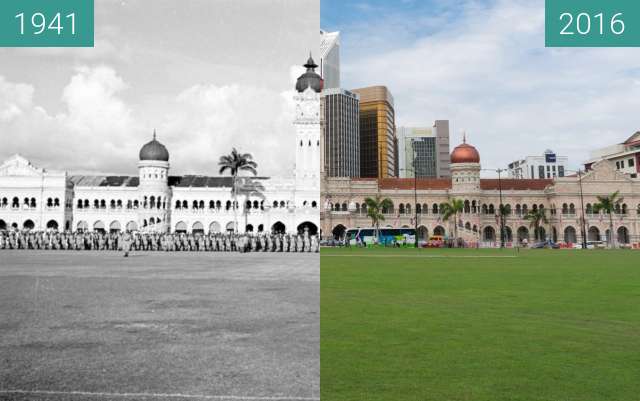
x: 126, y: 243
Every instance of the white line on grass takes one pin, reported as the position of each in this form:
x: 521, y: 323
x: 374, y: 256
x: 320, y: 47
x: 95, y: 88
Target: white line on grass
x: 158, y: 395
x: 423, y: 256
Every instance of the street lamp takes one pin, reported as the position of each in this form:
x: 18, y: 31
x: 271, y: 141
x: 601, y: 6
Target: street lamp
x: 583, y: 226
x: 501, y: 206
x: 415, y: 201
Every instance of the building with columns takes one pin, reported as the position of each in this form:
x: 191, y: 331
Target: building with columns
x: 156, y: 201
x: 343, y: 204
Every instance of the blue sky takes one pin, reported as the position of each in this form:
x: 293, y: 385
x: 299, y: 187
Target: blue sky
x: 483, y: 66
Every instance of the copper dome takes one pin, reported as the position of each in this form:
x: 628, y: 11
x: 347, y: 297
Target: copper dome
x: 154, y: 150
x: 465, y: 153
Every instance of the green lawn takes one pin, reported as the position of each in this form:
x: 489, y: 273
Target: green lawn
x: 407, y: 324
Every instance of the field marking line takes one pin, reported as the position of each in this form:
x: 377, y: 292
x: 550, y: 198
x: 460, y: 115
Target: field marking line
x: 160, y: 395
x: 424, y: 256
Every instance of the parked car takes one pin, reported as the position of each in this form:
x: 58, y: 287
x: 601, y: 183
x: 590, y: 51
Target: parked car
x: 545, y: 244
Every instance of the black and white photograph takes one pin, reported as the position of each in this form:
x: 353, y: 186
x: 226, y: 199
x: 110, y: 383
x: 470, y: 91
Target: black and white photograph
x: 160, y: 206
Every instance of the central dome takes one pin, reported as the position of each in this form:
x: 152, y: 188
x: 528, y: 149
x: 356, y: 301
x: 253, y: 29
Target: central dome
x: 310, y: 79
x: 154, y: 150
x: 465, y: 153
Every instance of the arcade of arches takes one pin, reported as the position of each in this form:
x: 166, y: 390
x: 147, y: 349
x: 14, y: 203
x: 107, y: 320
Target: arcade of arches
x: 344, y: 206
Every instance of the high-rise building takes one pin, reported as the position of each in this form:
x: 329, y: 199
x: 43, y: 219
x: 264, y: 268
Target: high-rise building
x: 431, y: 151
x: 330, y: 59
x: 340, y: 133
x: 377, y: 132
x: 549, y: 165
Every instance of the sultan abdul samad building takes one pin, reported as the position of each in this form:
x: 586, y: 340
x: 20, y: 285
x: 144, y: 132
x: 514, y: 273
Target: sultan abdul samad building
x: 155, y: 201
x: 343, y: 203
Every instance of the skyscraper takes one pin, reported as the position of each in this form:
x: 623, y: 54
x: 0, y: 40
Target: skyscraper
x: 341, y: 134
x: 432, y: 150
x: 377, y: 132
x: 330, y: 59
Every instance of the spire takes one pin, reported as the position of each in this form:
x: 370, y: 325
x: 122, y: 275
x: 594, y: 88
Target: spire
x: 154, y: 134
x: 464, y: 136
x: 311, y: 65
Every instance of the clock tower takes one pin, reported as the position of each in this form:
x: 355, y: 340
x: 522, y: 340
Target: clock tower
x: 307, y: 125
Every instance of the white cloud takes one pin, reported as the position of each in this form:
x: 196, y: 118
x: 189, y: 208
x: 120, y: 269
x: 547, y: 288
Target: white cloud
x: 489, y: 73
x: 97, y: 130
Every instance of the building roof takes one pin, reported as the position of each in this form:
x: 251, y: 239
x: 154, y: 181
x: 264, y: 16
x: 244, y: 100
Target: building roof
x: 633, y: 139
x: 509, y: 184
x: 183, y: 181
x: 423, y: 183
x: 104, y: 181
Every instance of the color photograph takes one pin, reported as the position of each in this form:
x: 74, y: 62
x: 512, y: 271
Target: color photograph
x: 481, y: 203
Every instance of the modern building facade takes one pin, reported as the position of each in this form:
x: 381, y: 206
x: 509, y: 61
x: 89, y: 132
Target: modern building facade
x: 340, y: 133
x: 330, y: 59
x: 549, y: 165
x: 343, y: 201
x: 625, y: 156
x: 431, y: 147
x: 377, y: 133
x: 156, y: 201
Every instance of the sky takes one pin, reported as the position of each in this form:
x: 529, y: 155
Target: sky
x: 206, y: 74
x: 482, y: 65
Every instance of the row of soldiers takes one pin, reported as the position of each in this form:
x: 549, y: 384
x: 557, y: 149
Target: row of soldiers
x: 137, y: 241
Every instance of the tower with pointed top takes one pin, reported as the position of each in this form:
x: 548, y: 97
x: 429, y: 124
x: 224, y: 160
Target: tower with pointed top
x: 154, y: 194
x: 307, y: 126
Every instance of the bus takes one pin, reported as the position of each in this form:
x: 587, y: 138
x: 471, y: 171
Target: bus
x: 386, y: 236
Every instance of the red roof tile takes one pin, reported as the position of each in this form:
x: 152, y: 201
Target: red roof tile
x: 515, y: 184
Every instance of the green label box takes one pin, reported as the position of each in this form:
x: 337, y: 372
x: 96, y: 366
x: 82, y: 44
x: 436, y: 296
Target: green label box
x: 46, y: 23
x: 592, y: 23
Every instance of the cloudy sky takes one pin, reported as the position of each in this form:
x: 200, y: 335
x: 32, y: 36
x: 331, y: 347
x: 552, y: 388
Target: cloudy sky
x: 482, y: 64
x: 207, y: 74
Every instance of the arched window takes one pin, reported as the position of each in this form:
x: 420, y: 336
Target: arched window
x: 49, y: 202
x: 467, y: 206
x: 228, y: 205
x: 418, y: 208
x: 218, y: 205
x: 79, y: 204
x: 129, y: 204
x: 195, y: 205
x: 525, y: 210
x: 86, y: 203
x: 485, y: 209
x: 136, y: 204
x: 15, y: 202
x: 492, y: 209
x: 212, y: 205
x: 256, y: 205
x: 565, y: 208
x: 282, y: 204
x: 572, y: 209
x: 518, y: 210
x: 112, y: 204
x: 275, y: 204
x: 178, y: 204
x: 624, y: 208
x: 119, y: 203
x: 152, y: 202
x: 185, y: 204
x: 408, y: 208
x: 344, y: 207
x: 425, y: 208
x: 103, y: 204
x: 33, y: 202
x: 96, y: 204
x: 401, y: 208
x: 201, y: 204
x: 434, y: 208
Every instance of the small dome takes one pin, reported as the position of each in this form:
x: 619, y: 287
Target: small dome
x: 310, y: 79
x: 154, y: 150
x: 465, y: 153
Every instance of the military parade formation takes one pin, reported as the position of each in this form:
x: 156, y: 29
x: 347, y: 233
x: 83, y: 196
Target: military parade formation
x: 175, y: 242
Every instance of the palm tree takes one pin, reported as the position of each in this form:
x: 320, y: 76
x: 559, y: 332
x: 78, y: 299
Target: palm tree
x: 236, y: 163
x: 375, y: 208
x: 452, y: 209
x: 250, y: 187
x: 608, y: 205
x: 538, y: 217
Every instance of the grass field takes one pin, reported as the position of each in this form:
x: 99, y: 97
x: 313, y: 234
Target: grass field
x: 170, y: 326
x: 480, y: 325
